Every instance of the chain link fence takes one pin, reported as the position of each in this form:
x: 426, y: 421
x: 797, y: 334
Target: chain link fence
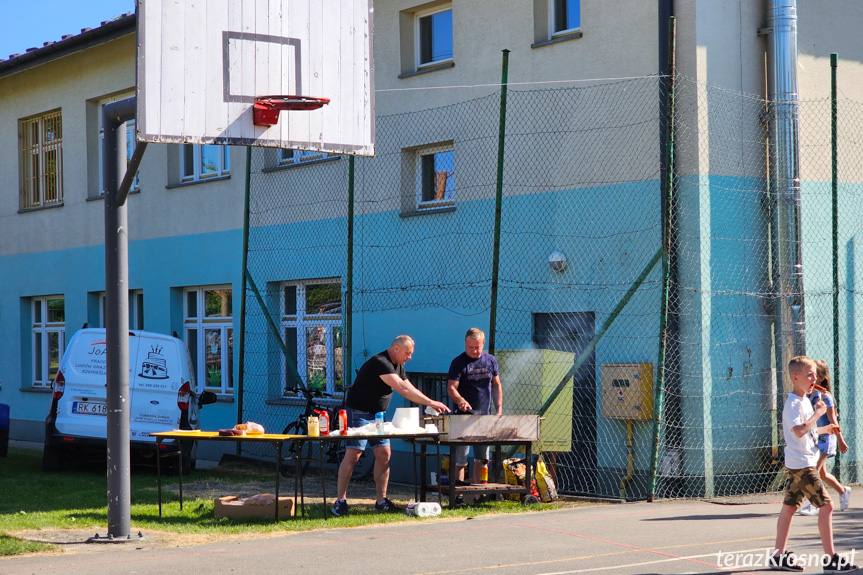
x: 577, y: 296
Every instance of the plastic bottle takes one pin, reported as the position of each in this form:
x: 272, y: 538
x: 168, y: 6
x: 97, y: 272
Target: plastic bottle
x: 323, y: 421
x: 444, y: 469
x: 343, y: 421
x: 314, y: 426
x: 483, y: 472
x: 379, y: 422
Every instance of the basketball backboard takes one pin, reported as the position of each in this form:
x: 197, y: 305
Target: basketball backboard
x: 202, y: 65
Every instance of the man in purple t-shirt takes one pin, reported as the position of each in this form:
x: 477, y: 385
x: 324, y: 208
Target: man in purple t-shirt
x: 473, y: 383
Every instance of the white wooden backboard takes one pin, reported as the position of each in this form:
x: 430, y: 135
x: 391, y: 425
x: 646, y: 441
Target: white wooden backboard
x: 202, y: 63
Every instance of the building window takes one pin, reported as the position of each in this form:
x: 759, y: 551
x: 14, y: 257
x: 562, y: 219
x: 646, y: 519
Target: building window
x: 434, y: 37
x: 199, y: 162
x: 209, y: 331
x: 312, y: 327
x: 292, y: 157
x: 136, y: 309
x: 42, y: 161
x: 565, y: 16
x: 435, y: 177
x: 130, y: 143
x: 49, y: 338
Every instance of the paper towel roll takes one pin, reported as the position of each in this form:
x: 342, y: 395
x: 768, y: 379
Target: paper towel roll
x: 423, y: 509
x: 428, y: 509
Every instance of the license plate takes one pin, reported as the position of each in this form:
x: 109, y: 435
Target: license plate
x: 89, y: 408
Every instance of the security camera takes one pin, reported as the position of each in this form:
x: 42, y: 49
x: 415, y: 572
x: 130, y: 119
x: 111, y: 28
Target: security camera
x: 557, y: 261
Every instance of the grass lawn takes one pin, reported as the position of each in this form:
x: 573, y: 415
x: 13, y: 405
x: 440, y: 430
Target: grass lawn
x: 77, y: 499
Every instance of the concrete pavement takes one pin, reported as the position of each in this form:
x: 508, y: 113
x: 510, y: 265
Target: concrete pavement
x: 633, y: 538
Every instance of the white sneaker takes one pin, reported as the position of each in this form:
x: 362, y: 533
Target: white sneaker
x: 845, y: 499
x: 807, y: 509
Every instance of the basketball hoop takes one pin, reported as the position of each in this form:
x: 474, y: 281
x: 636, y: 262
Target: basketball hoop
x: 266, y: 110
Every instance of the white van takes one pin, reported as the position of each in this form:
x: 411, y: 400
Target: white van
x: 162, y: 392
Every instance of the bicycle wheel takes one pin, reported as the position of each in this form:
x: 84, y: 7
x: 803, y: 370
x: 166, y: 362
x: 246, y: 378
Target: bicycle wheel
x: 287, y: 468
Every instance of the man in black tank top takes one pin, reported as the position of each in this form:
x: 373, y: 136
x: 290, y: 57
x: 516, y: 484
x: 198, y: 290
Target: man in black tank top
x: 371, y: 393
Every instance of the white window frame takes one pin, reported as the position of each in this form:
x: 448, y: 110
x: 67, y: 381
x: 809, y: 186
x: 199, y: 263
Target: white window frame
x: 196, y: 320
x: 301, y: 321
x: 290, y: 157
x: 39, y: 188
x: 419, y: 38
x: 41, y: 331
x: 196, y: 173
x: 130, y: 143
x: 553, y: 18
x: 136, y: 309
x: 449, y: 197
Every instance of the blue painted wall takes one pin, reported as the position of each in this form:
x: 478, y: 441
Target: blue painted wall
x: 160, y: 267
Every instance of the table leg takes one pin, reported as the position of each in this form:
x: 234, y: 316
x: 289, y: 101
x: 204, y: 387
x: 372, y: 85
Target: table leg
x: 439, y: 490
x: 180, y: 469
x: 278, y: 463
x: 323, y: 479
x: 452, y: 479
x: 422, y: 486
x: 299, y: 476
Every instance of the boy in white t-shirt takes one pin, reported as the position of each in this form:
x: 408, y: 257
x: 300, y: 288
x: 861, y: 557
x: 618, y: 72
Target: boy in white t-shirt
x: 801, y: 458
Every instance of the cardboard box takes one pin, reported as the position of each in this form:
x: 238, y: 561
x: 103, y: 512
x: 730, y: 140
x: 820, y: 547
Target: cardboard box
x: 232, y: 506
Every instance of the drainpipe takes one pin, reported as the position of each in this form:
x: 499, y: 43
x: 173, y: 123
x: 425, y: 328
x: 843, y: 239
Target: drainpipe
x: 789, y: 318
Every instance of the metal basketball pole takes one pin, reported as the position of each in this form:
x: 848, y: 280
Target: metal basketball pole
x: 114, y: 170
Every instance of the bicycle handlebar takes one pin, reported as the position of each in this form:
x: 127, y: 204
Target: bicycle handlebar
x: 309, y: 393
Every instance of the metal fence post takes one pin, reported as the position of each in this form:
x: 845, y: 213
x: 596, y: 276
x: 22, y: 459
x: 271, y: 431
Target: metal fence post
x: 834, y: 175
x: 666, y: 249
x: 498, y: 201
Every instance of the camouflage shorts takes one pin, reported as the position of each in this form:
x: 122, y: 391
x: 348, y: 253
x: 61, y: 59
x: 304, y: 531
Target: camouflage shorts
x: 806, y: 483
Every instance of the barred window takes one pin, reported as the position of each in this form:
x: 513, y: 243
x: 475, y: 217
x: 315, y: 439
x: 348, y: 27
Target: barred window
x: 42, y: 161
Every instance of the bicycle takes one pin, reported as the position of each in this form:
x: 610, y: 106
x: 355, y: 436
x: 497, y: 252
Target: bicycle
x: 335, y: 450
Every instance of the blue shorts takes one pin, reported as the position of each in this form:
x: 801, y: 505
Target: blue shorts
x: 358, y: 419
x: 827, y: 444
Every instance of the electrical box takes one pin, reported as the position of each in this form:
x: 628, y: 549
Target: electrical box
x: 627, y: 391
